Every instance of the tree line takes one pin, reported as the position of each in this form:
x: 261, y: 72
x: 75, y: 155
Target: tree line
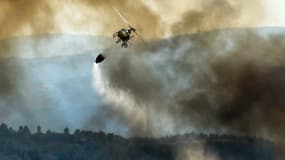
x: 22, y: 144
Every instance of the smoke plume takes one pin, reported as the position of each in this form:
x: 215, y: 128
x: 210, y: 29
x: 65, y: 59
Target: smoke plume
x: 221, y: 81
x: 215, y: 14
x: 150, y: 18
x: 228, y: 81
x: 25, y: 17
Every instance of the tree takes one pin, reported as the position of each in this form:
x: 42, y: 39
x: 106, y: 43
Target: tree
x: 48, y: 132
x: 66, y: 131
x: 39, y: 130
x: 26, y: 130
x: 4, y: 130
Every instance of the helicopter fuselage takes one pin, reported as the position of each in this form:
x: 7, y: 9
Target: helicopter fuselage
x: 124, y: 34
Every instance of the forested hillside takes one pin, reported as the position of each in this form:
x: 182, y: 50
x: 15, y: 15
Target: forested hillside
x: 21, y: 144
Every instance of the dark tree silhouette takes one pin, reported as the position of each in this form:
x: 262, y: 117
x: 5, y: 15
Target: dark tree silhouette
x: 66, y: 131
x: 39, y: 130
x: 89, y: 145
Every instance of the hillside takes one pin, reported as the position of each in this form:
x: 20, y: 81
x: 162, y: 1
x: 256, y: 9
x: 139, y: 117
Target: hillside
x: 84, y: 145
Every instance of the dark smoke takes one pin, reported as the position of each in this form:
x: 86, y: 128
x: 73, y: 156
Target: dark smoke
x: 8, y: 81
x: 229, y: 81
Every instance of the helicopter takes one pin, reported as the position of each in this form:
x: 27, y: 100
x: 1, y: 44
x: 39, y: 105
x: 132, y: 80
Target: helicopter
x: 122, y: 36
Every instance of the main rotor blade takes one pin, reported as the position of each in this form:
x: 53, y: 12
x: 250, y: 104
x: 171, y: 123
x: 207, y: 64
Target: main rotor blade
x: 124, y: 20
x: 139, y: 36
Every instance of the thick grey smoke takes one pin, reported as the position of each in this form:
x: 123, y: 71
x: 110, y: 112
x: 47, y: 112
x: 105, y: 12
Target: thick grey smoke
x: 228, y: 81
